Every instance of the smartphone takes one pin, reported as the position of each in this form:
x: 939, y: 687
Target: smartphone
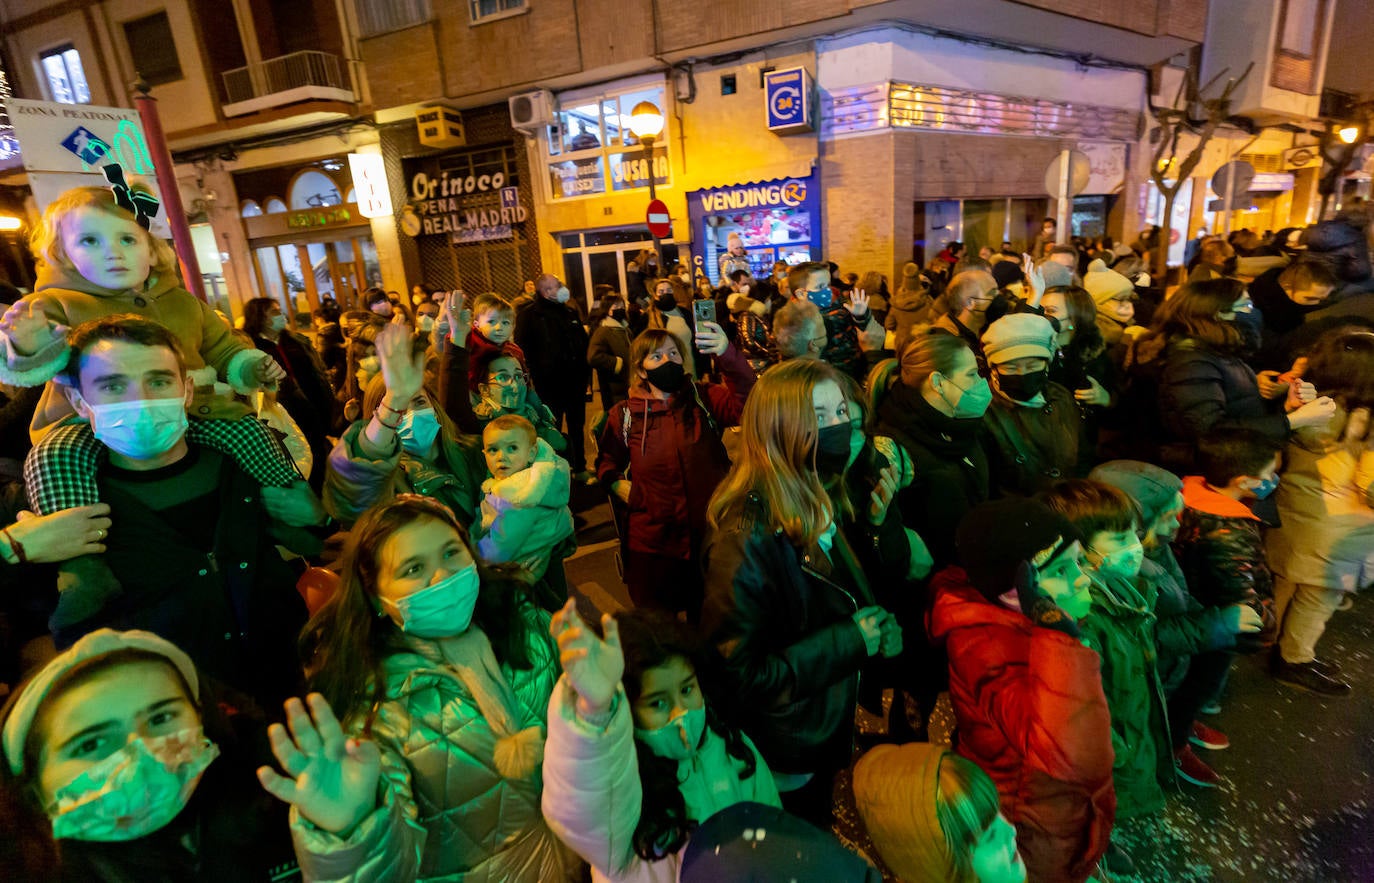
x: 704, y: 311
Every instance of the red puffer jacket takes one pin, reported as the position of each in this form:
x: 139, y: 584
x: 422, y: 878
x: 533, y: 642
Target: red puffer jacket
x: 672, y: 455
x: 1031, y: 713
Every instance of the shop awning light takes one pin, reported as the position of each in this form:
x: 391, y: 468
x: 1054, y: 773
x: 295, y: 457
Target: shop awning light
x: 646, y: 121
x: 9, y: 223
x: 1347, y: 134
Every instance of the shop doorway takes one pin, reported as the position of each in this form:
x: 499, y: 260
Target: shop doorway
x: 599, y: 257
x: 299, y: 274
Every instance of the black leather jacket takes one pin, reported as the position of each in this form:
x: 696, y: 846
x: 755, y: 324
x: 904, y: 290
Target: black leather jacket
x: 782, y: 619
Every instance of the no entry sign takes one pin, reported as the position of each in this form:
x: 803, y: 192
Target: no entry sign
x: 660, y: 224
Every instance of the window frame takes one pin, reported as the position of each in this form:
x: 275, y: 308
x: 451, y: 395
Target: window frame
x: 601, y: 97
x: 59, y: 52
x: 154, y: 79
x: 476, y: 18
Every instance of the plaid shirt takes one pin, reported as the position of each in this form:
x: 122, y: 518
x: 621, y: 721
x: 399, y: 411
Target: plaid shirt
x: 60, y: 472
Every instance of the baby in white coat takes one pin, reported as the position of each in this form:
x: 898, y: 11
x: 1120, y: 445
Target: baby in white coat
x: 525, y: 514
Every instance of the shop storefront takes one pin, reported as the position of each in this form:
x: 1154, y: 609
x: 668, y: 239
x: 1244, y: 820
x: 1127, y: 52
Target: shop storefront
x: 307, y: 238
x: 469, y: 220
x: 776, y: 220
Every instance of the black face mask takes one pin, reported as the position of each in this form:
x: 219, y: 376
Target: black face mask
x: 1023, y: 387
x: 665, y: 302
x: 667, y: 377
x: 833, y: 448
x: 618, y: 315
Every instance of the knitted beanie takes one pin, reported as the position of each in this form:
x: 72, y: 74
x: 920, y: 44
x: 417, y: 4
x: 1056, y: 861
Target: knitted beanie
x: 1152, y: 487
x: 994, y: 538
x: 1104, y: 283
x: 1016, y: 336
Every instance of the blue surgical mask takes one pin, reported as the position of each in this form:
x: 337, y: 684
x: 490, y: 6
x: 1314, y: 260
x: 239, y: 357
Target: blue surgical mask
x: 441, y: 610
x: 822, y: 298
x: 277, y: 323
x: 141, y: 429
x: 679, y: 738
x: 417, y: 431
x: 1265, y: 487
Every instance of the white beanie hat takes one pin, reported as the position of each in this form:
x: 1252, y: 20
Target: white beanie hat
x: 1018, y: 336
x: 1104, y: 283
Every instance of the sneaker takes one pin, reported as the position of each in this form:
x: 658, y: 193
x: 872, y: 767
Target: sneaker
x: 1307, y: 676
x: 1191, y: 769
x: 1206, y: 737
x: 1118, y: 860
x: 1213, y: 707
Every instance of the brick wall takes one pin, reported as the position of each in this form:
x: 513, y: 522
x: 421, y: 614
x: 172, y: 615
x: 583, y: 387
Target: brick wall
x: 404, y: 66
x: 857, y: 175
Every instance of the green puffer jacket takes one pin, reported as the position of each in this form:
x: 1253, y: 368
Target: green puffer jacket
x: 464, y: 821
x: 1121, y: 628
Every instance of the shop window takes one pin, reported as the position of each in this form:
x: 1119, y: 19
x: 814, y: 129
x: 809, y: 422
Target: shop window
x: 152, y: 48
x: 489, y: 10
x: 66, y: 77
x: 275, y: 206
x: 591, y: 149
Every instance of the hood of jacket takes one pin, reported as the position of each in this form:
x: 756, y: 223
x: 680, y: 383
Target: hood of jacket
x: 1197, y: 495
x: 50, y: 276
x: 545, y: 482
x: 958, y: 605
x: 910, y: 299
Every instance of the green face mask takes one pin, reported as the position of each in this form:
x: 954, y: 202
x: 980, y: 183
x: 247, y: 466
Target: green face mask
x: 679, y: 738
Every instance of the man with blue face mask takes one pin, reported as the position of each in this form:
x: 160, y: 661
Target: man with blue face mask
x: 843, y: 320
x: 550, y: 332
x: 193, y: 540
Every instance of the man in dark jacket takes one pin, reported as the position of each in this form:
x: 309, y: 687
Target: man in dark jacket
x: 194, y: 556
x: 555, y: 344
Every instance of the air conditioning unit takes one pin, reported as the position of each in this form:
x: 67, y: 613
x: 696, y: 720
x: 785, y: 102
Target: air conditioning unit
x: 531, y: 110
x: 440, y: 126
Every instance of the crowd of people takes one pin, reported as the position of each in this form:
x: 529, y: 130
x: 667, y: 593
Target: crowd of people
x: 286, y: 605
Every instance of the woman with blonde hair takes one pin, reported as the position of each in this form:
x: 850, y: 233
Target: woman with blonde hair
x: 935, y: 817
x: 792, y: 554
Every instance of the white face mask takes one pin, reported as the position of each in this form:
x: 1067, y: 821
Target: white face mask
x: 562, y: 295
x: 141, y: 429
x: 425, y: 321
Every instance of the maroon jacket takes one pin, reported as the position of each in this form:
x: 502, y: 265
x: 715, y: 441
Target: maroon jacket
x: 673, y: 457
x: 1030, y: 711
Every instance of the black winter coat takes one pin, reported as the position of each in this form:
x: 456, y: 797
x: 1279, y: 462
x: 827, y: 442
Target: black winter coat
x: 1202, y: 388
x: 951, y: 467
x: 1030, y: 448
x: 555, y: 345
x: 781, y: 618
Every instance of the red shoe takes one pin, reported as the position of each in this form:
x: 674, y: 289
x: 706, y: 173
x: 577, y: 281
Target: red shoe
x: 1191, y: 769
x: 1206, y: 737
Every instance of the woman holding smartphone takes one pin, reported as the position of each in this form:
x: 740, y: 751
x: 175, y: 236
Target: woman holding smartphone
x: 662, y: 457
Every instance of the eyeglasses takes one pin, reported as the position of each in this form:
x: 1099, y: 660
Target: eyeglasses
x: 507, y: 378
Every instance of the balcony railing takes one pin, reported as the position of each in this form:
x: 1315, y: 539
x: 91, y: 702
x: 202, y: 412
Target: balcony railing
x: 299, y: 76
x: 383, y: 16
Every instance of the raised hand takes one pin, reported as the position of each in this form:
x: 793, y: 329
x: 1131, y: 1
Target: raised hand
x: 403, y: 369
x: 331, y: 780
x: 62, y: 535
x: 711, y: 339
x: 858, y: 303
x: 1317, y: 412
x: 459, y: 319
x: 28, y: 327
x: 594, y: 666
x: 1035, y: 279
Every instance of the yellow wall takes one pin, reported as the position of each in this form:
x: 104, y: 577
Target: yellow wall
x: 720, y: 140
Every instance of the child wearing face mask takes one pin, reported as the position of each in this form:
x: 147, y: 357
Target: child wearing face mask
x: 493, y: 326
x: 120, y: 765
x: 525, y: 517
x: 97, y: 258
x: 420, y: 757
x: 636, y: 757
x: 1121, y: 628
x: 1219, y: 544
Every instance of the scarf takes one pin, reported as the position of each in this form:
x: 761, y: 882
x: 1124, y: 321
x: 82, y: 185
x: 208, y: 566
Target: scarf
x: 469, y: 658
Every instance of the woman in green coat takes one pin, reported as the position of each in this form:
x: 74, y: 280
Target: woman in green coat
x: 421, y: 755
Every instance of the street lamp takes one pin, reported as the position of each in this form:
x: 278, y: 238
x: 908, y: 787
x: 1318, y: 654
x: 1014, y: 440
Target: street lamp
x: 646, y: 122
x: 1348, y: 134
